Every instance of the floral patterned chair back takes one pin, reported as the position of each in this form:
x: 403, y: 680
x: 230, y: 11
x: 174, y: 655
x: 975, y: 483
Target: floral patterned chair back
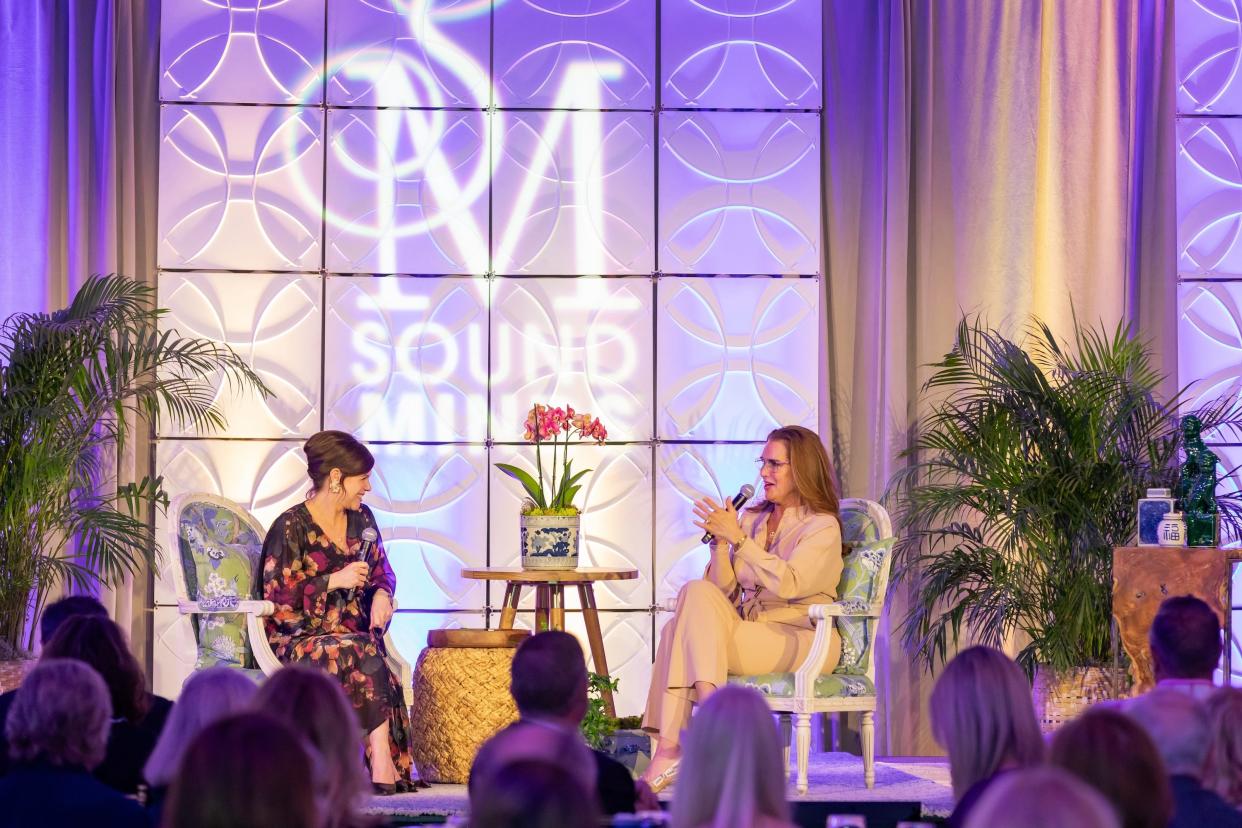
x: 867, y: 536
x: 218, y: 544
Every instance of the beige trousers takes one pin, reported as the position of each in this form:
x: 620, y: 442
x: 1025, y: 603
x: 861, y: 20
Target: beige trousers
x: 707, y: 640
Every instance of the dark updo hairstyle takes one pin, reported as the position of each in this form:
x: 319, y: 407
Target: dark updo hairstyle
x: 330, y: 450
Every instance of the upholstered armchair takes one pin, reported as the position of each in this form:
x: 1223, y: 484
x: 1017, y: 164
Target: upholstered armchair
x: 218, y: 545
x: 867, y: 536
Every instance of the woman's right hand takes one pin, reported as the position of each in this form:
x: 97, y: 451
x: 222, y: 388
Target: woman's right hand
x: 352, y: 576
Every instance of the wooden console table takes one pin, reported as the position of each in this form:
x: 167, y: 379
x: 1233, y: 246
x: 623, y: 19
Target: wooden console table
x: 549, y: 587
x: 1143, y: 576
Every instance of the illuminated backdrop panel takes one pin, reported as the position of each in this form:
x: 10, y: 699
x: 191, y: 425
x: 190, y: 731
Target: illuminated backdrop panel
x: 408, y: 191
x: 1209, y: 55
x: 742, y: 53
x: 417, y: 217
x: 1209, y: 222
x: 739, y: 192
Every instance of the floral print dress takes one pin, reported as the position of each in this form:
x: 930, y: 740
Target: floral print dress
x: 314, y: 626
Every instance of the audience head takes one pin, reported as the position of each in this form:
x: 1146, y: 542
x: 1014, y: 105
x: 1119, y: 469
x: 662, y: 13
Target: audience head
x: 207, y: 696
x: 731, y: 767
x: 530, y: 793
x: 1223, y: 771
x: 313, y: 703
x: 563, y: 748
x: 245, y: 771
x: 983, y: 716
x: 548, y: 678
x: 57, y: 612
x: 1041, y: 797
x: 1177, y: 725
x: 60, y: 715
x: 1114, y: 755
x: 1184, y: 639
x: 101, y: 644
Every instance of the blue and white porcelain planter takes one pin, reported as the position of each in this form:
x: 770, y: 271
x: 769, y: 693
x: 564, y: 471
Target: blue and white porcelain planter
x: 550, y: 542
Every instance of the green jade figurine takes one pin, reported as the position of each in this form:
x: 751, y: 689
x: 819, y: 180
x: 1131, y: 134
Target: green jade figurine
x: 1196, y: 488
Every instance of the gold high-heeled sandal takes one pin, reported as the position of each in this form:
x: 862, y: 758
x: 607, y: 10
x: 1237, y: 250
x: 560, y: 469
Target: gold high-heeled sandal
x: 662, y: 780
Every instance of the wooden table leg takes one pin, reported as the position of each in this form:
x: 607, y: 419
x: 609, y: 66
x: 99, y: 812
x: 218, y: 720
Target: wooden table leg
x: 557, y: 619
x: 508, y: 610
x: 590, y: 615
x: 541, y: 607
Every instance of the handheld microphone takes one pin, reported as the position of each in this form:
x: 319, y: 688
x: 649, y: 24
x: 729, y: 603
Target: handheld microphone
x: 369, y: 536
x: 743, y: 494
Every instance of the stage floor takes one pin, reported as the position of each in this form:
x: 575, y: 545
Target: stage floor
x: 834, y: 778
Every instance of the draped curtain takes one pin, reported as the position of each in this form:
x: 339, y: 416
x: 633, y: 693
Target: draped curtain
x: 1009, y: 159
x: 79, y: 137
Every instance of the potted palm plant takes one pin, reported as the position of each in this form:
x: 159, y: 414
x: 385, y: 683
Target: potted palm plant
x: 1020, y: 480
x: 71, y: 384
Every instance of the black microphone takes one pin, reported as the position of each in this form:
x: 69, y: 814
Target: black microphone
x: 369, y: 536
x: 743, y: 494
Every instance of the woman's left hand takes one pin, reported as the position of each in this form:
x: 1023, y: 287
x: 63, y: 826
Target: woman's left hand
x: 718, y: 518
x: 381, y: 610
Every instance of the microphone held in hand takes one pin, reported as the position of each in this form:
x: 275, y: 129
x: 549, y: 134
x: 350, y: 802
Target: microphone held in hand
x: 369, y: 536
x: 743, y: 494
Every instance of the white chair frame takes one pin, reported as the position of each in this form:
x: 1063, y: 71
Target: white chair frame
x: 255, y: 610
x: 803, y: 702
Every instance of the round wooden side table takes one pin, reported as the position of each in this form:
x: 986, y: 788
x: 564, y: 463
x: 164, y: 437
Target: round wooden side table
x: 549, y: 587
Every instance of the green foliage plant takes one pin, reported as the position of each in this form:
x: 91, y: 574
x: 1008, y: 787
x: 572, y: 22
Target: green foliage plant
x: 597, y: 725
x: 1022, y: 478
x: 72, y: 384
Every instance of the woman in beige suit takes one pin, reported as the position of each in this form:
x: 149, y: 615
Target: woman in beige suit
x: 748, y: 614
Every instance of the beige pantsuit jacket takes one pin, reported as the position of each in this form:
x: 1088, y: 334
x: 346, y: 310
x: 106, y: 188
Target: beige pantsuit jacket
x: 747, y: 615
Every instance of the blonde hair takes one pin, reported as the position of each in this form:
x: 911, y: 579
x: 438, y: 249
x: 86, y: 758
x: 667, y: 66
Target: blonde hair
x: 61, y: 714
x: 313, y: 703
x: 1223, y: 772
x: 731, y: 767
x: 983, y: 716
x: 814, y: 478
x: 207, y: 696
x: 1043, y: 797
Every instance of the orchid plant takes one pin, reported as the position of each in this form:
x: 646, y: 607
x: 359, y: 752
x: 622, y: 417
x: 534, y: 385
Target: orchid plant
x: 553, y: 494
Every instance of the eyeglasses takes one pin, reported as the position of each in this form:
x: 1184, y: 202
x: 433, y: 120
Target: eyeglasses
x: 774, y: 465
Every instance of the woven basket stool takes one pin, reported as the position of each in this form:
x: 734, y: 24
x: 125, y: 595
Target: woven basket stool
x: 461, y: 698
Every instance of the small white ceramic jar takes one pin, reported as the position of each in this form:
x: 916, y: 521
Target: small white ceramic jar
x: 1173, y: 530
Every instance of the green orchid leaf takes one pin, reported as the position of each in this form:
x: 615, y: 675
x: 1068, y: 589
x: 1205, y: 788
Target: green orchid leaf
x: 528, y: 482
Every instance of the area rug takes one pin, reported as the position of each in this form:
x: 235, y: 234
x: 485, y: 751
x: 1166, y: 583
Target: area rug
x: 833, y: 777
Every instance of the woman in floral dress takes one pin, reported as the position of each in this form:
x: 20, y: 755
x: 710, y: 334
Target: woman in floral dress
x: 329, y: 600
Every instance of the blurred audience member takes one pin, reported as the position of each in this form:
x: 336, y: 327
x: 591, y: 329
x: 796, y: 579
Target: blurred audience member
x: 531, y: 741
x: 312, y: 703
x: 548, y: 680
x: 57, y: 729
x: 1178, y: 726
x: 1043, y: 797
x: 58, y: 612
x: 983, y: 716
x: 246, y: 771
x: 732, y: 769
x: 54, y: 614
x: 530, y: 793
x: 1185, y: 646
x: 137, y: 716
x: 1223, y: 771
x: 207, y: 696
x: 1114, y: 755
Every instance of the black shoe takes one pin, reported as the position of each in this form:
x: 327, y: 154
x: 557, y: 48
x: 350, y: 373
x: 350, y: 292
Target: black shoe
x: 384, y: 788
